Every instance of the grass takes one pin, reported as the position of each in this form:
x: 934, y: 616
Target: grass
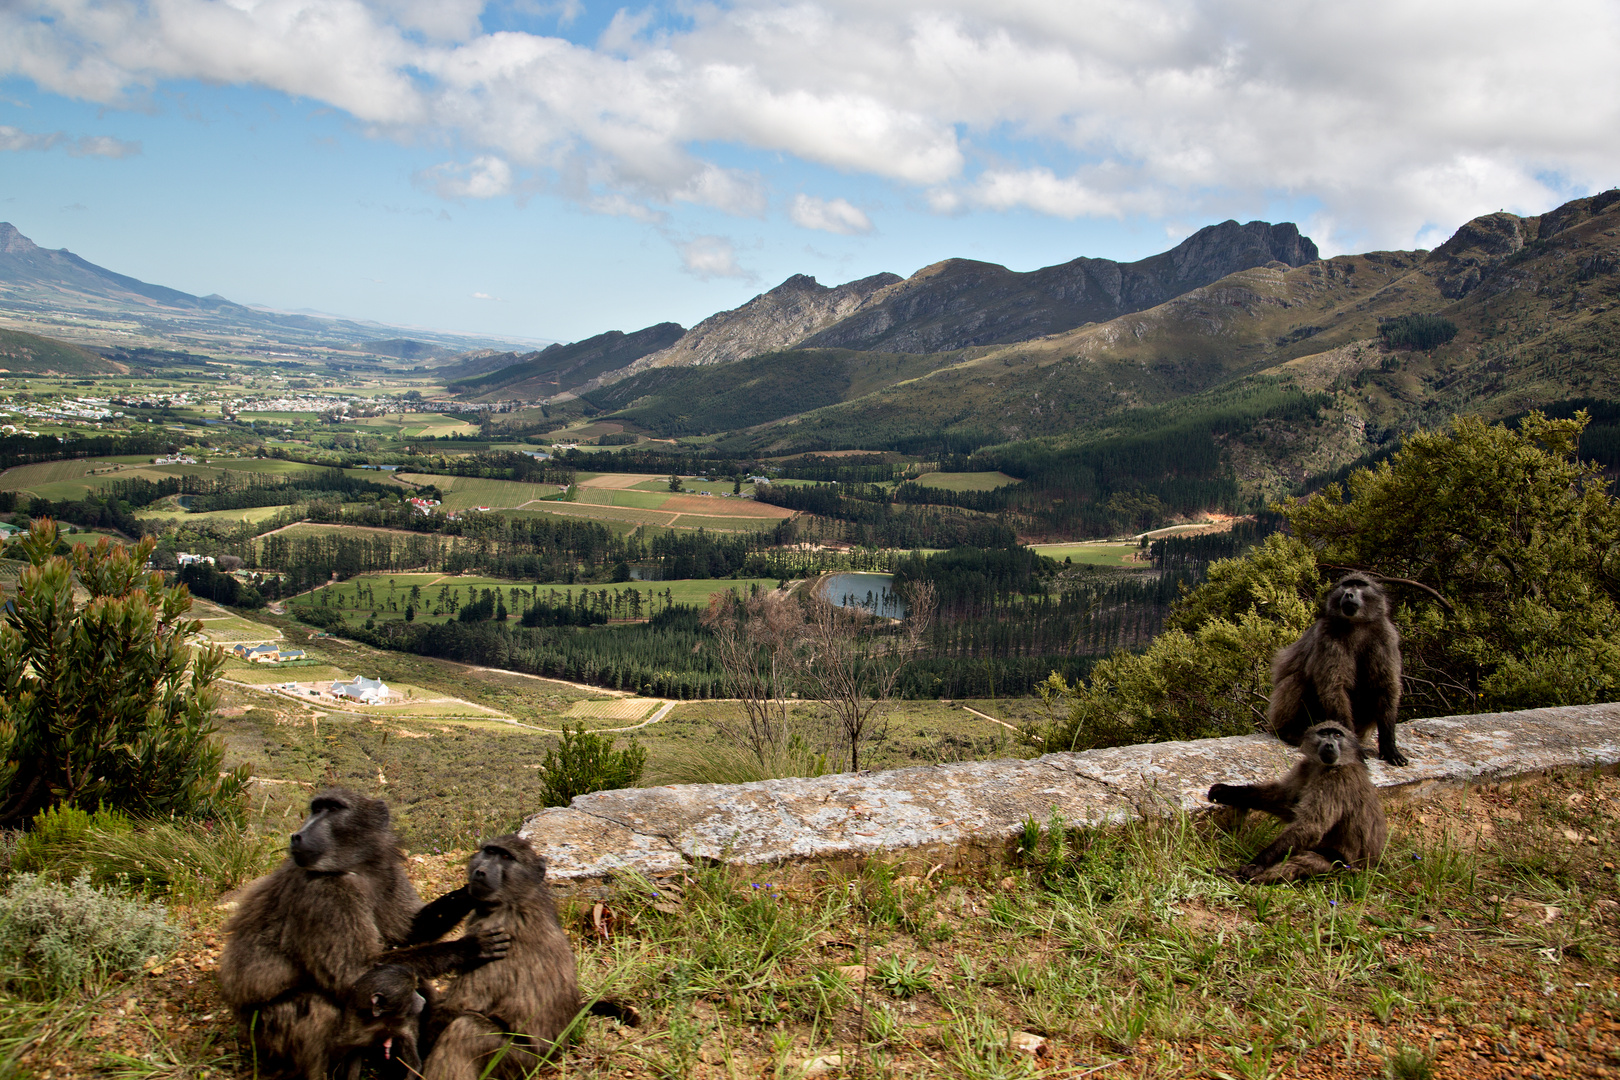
x: 966, y: 481
x: 1119, y: 553
x: 466, y: 492
x: 1483, y: 946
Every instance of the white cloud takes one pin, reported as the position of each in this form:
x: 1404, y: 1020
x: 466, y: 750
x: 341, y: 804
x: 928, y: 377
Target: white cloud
x: 485, y: 177
x: 486, y: 296
x: 711, y: 257
x: 1389, y: 116
x: 828, y: 215
x: 15, y: 139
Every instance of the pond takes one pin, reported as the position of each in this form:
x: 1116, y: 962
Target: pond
x: 870, y: 591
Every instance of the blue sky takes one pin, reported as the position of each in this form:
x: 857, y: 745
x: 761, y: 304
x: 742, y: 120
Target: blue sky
x: 553, y: 170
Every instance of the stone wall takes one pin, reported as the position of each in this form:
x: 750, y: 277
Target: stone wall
x: 966, y: 810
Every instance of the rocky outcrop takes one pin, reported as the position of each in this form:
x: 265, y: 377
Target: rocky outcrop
x: 786, y: 315
x: 960, y: 811
x: 960, y: 303
x: 1462, y: 262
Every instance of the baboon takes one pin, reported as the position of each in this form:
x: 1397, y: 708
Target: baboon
x: 502, y: 1019
x: 386, y: 1010
x: 1346, y: 668
x: 305, y: 933
x: 1330, y: 804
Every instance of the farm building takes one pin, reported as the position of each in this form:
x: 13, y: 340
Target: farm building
x: 361, y: 689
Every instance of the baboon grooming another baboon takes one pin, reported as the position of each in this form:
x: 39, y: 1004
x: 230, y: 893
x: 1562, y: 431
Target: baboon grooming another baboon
x: 305, y: 933
x: 501, y: 1020
x: 1330, y: 804
x: 1346, y: 669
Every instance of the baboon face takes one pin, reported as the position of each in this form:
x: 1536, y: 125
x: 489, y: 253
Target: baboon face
x: 500, y: 861
x: 1356, y: 598
x: 340, y: 832
x: 389, y: 990
x: 1329, y: 743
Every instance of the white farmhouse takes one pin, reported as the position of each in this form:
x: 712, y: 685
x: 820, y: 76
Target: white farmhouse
x: 364, y: 690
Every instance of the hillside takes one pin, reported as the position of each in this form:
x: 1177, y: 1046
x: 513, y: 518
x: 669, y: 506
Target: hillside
x: 771, y: 321
x: 20, y: 352
x: 559, y: 367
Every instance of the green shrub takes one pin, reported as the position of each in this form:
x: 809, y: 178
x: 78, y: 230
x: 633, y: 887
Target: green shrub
x: 56, y: 938
x: 585, y: 762
x: 59, y: 837
x: 102, y: 701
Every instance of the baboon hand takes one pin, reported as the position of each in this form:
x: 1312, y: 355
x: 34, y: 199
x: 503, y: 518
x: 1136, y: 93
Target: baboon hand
x: 1394, y: 756
x: 1220, y: 793
x: 492, y: 943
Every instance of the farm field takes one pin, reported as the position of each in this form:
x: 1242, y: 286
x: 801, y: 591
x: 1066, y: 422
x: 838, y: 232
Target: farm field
x: 467, y: 492
x: 1105, y: 553
x: 968, y: 481
x: 252, y: 513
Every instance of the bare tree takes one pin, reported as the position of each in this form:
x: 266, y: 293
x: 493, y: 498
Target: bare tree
x: 754, y: 640
x: 852, y: 660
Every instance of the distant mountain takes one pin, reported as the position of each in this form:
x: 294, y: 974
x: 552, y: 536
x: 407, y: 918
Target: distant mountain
x: 960, y: 303
x: 37, y: 281
x: 557, y: 368
x: 1536, y: 301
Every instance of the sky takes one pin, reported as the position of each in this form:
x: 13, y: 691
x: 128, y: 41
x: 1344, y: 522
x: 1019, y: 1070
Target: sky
x: 551, y: 169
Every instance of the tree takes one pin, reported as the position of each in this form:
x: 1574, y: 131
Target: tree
x: 754, y: 640
x: 674, y: 482
x: 104, y: 703
x: 1497, y: 545
x: 851, y: 660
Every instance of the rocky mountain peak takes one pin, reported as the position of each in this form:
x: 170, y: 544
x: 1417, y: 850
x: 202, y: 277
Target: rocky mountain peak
x: 13, y: 242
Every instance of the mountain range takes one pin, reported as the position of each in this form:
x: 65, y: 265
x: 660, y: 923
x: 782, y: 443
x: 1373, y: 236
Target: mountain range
x: 52, y: 289
x: 954, y: 304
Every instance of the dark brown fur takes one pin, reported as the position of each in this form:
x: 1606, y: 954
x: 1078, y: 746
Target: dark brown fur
x: 1346, y: 669
x: 386, y: 1010
x: 1331, y: 807
x: 305, y: 933
x: 520, y: 1007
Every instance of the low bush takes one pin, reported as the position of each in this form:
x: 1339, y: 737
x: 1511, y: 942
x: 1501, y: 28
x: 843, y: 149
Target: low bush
x: 585, y: 762
x: 58, y: 938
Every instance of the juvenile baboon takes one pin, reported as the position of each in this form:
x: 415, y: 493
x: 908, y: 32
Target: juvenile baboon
x: 1346, y: 669
x: 502, y: 1019
x: 1330, y: 804
x: 386, y: 1010
x: 305, y: 933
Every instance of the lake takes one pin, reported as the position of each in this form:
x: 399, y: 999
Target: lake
x: 870, y: 591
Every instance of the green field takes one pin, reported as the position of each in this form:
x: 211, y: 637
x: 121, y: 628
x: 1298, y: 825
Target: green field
x: 966, y: 481
x: 629, y: 497
x: 466, y: 492
x: 1110, y: 553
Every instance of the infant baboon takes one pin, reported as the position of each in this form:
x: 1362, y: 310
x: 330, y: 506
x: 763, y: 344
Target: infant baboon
x: 502, y: 1019
x: 1345, y: 669
x: 305, y: 933
x: 1330, y: 804
x: 386, y: 1010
